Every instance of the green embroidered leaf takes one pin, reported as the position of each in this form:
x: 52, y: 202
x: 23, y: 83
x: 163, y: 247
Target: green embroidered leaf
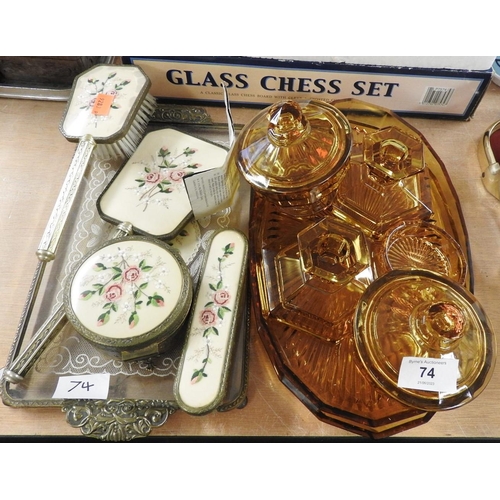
x: 208, y: 304
x: 157, y: 301
x: 210, y: 330
x: 87, y: 294
x: 103, y: 318
x: 212, y: 287
x: 133, y: 319
x: 99, y: 267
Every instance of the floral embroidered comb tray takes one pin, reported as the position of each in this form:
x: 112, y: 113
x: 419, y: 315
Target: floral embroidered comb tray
x: 204, y: 369
x: 149, y: 192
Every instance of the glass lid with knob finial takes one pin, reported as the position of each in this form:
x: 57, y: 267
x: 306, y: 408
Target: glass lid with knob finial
x: 295, y: 153
x: 424, y: 339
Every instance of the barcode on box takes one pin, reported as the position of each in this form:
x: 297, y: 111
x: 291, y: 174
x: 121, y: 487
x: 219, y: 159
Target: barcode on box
x: 437, y: 96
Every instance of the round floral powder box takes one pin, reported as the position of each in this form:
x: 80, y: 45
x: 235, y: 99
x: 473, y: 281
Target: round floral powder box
x: 130, y: 296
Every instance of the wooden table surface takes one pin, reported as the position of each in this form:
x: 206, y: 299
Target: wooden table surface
x: 34, y: 157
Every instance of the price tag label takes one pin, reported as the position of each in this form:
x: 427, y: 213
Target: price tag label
x: 102, y: 104
x: 82, y: 387
x: 211, y: 190
x: 429, y: 374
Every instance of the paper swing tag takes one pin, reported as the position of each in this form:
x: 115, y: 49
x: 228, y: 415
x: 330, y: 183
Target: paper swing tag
x: 212, y: 190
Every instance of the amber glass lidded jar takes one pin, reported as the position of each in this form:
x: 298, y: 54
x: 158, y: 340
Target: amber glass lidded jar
x: 295, y: 154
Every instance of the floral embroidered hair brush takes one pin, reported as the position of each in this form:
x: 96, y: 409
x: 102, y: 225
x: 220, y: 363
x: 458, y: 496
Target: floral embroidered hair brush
x: 110, y: 108
x: 107, y: 114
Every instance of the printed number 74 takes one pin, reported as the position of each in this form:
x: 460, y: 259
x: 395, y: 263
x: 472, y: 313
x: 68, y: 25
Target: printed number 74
x: 424, y: 371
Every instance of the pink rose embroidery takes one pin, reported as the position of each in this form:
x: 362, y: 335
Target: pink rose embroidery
x: 113, y: 293
x: 208, y: 317
x: 131, y: 274
x: 221, y: 297
x: 212, y: 318
x: 152, y: 177
x: 176, y: 175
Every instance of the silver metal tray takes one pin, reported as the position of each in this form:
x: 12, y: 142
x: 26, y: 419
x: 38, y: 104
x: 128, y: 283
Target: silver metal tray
x: 141, y: 394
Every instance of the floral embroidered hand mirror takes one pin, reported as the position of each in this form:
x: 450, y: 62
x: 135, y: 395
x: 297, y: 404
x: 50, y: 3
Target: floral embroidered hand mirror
x: 149, y: 192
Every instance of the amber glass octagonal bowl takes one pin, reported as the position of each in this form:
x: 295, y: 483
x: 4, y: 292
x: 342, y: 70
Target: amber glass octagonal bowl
x: 325, y: 371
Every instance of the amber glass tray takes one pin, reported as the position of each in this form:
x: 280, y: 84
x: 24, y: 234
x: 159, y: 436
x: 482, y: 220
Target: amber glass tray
x: 329, y: 377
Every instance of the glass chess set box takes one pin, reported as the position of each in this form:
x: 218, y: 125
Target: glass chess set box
x: 434, y: 87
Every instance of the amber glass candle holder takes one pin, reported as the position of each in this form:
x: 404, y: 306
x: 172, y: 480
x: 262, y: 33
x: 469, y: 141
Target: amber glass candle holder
x: 387, y: 186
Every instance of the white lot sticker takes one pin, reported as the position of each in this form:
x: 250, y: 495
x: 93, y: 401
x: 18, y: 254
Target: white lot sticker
x: 429, y: 374
x: 82, y: 387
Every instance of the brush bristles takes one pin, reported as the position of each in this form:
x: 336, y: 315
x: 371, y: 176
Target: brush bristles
x: 125, y: 147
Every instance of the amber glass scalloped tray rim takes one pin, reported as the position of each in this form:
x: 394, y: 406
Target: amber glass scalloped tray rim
x: 452, y: 221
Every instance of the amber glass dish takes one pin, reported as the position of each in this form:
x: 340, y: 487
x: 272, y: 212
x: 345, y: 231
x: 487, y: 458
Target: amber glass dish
x: 423, y: 245
x: 325, y: 371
